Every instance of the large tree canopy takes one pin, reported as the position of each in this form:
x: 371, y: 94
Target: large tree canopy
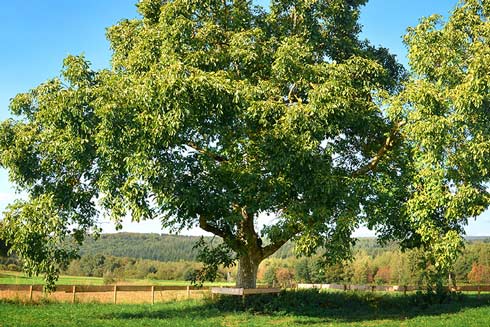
x: 215, y: 112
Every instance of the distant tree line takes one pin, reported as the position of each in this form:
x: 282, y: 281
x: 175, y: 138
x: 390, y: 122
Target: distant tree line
x: 122, y: 268
x: 168, y: 257
x: 376, y: 265
x: 160, y: 247
x: 164, y: 247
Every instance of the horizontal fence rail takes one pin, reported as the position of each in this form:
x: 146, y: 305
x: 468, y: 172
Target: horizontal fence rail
x: 100, y: 288
x: 73, y: 290
x: 243, y: 291
x: 390, y: 288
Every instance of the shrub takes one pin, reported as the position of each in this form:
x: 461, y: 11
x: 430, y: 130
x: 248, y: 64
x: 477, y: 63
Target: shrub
x: 13, y: 267
x: 108, y: 278
x: 270, y: 275
x: 479, y: 274
x: 189, y: 274
x: 285, y: 277
x: 152, y: 276
x: 383, y: 275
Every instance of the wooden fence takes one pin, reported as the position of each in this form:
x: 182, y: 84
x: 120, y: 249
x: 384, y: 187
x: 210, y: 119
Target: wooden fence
x: 73, y: 290
x: 114, y: 289
x: 391, y: 288
x: 243, y: 291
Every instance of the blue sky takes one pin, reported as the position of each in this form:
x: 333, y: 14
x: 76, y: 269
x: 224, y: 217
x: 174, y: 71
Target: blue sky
x: 36, y: 35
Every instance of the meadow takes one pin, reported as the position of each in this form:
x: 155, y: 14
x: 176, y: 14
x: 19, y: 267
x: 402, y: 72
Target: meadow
x: 291, y: 308
x: 12, y: 277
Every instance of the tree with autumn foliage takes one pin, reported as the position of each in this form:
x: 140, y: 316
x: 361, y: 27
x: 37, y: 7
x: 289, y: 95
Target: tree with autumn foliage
x: 479, y: 274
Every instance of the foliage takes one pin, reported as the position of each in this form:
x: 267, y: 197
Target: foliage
x: 479, y: 274
x: 212, y: 258
x: 108, y: 278
x: 212, y: 113
x: 4, y: 248
x: 403, y: 267
x: 444, y: 106
x: 160, y: 247
x: 383, y: 275
x: 384, y: 265
x: 303, y: 271
x: 270, y: 276
x: 285, y: 277
x: 215, y: 112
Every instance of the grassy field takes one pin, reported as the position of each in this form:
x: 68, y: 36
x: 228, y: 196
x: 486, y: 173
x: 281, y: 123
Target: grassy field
x: 11, y: 277
x: 305, y: 308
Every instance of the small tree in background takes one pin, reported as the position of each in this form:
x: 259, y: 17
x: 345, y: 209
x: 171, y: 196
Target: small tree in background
x: 303, y: 271
x: 285, y: 276
x: 383, y: 275
x: 270, y: 276
x: 479, y: 274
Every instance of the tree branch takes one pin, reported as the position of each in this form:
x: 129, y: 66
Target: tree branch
x: 270, y: 249
x: 387, y: 146
x: 207, y: 153
x: 289, y: 233
x: 227, y: 237
x: 211, y: 229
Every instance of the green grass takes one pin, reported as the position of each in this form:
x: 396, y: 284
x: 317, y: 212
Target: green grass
x: 11, y: 277
x: 302, y: 308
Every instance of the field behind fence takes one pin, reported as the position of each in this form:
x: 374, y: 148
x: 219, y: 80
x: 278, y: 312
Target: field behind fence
x: 103, y: 293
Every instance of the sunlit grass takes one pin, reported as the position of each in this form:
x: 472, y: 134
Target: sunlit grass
x: 12, y: 277
x: 289, y: 309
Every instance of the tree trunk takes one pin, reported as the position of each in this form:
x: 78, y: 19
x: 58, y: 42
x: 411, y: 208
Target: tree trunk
x: 247, y: 271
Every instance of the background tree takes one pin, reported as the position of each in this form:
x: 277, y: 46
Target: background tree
x: 479, y: 274
x: 303, y: 271
x: 4, y: 249
x: 284, y: 276
x: 445, y: 106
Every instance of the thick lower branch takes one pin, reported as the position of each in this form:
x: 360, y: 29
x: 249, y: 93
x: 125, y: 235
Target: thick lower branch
x: 210, y: 228
x: 231, y: 240
x: 387, y: 146
x: 272, y: 248
x: 207, y: 153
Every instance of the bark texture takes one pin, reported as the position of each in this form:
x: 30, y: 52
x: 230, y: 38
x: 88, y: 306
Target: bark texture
x: 247, y: 271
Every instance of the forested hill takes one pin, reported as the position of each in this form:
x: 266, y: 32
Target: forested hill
x: 159, y: 247
x: 163, y: 247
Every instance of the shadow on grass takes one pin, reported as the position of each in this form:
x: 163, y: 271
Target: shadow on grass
x: 326, y: 306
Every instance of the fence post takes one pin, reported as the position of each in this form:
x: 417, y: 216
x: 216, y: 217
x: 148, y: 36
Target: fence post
x: 188, y: 291
x: 152, y: 294
x: 74, y: 292
x: 479, y: 290
x: 30, y: 293
x: 115, y: 294
x: 404, y: 289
